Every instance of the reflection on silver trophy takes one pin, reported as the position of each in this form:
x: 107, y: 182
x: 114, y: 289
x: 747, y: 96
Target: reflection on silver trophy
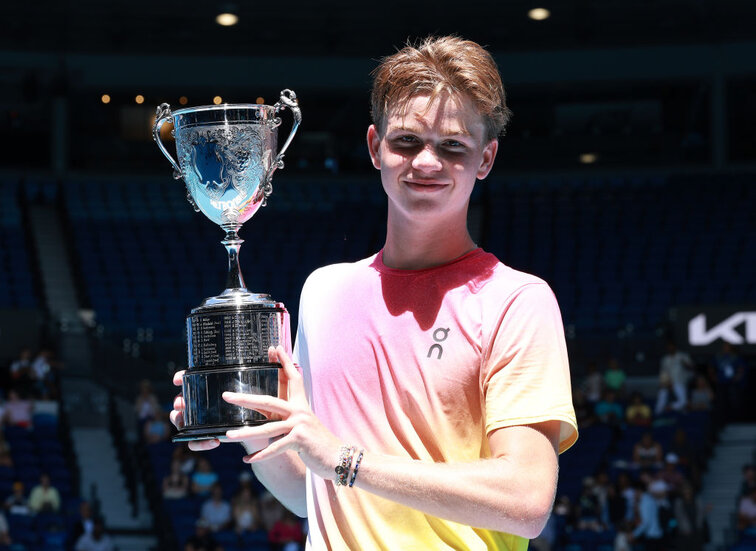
x: 227, y: 157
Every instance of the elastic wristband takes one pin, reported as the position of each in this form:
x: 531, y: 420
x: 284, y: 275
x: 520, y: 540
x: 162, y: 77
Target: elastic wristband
x: 356, y: 468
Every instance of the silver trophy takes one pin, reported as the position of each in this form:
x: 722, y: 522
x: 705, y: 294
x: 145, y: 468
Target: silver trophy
x: 227, y: 157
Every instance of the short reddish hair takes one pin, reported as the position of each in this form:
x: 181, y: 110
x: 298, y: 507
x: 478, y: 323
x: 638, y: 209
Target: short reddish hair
x: 441, y: 64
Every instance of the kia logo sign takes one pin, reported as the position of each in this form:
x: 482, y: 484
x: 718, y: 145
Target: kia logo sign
x: 703, y: 328
x: 737, y: 329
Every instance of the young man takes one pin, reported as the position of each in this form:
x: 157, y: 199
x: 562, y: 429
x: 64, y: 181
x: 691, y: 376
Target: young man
x: 434, y: 379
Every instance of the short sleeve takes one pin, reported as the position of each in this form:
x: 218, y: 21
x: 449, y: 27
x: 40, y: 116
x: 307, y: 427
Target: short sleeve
x: 526, y: 375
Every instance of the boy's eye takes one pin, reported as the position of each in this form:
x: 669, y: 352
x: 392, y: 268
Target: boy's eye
x: 407, y: 139
x: 453, y: 144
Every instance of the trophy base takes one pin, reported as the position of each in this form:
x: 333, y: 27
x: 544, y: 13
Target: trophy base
x: 207, y: 433
x: 207, y: 415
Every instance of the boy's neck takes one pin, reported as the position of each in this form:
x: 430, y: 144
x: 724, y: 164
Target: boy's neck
x: 416, y: 247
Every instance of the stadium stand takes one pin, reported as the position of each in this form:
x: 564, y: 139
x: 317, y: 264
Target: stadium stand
x: 16, y: 286
x: 43, y: 447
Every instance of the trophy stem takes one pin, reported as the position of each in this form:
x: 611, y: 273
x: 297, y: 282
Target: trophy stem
x: 232, y: 242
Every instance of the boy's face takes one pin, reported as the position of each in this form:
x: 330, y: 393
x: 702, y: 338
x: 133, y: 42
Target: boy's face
x: 430, y: 156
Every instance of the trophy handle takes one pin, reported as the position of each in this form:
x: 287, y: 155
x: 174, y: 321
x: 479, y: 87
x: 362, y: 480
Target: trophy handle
x: 162, y: 115
x: 288, y: 99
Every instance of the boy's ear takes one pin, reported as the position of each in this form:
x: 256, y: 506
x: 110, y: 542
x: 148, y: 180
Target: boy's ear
x: 489, y: 156
x: 374, y: 146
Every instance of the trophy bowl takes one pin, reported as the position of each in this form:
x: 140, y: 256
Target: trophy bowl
x: 227, y: 157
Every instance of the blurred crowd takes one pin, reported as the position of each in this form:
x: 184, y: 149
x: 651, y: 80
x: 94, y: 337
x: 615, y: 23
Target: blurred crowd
x: 38, y: 514
x: 644, y: 494
x: 226, y: 514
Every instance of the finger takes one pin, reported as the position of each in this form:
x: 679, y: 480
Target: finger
x: 283, y: 387
x: 268, y: 430
x: 178, y: 403
x: 283, y: 383
x: 177, y: 418
x: 272, y: 450
x: 258, y: 402
x: 178, y: 377
x: 204, y: 445
x: 294, y: 378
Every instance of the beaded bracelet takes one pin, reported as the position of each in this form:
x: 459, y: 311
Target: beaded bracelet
x: 356, y: 468
x: 346, y: 453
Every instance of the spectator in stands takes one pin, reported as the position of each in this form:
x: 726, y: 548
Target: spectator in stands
x: 615, y: 377
x: 666, y: 400
x: 202, y: 540
x: 566, y: 513
x: 647, y: 452
x: 21, y: 363
x: 84, y: 524
x: 749, y: 480
x: 584, y: 411
x: 246, y: 511
x: 271, y: 511
x: 245, y: 481
x: 5, y: 538
x: 186, y: 457
x: 680, y: 446
x: 729, y: 366
x: 638, y: 413
x: 97, y: 540
x: 44, y: 370
x: 203, y: 478
x: 588, y: 507
x: 649, y: 530
x: 608, y: 410
x: 690, y: 517
x: 747, y: 511
x: 628, y: 491
x: 157, y: 429
x: 146, y: 405
x: 16, y: 503
x: 730, y: 373
x: 18, y: 411
x: 6, y: 459
x: 176, y: 483
x: 677, y: 365
x: 624, y: 538
x: 615, y: 508
x: 216, y: 511
x: 21, y: 372
x: 701, y: 395
x: 603, y: 489
x: 671, y: 475
x: 689, y: 459
x: 593, y: 383
x: 44, y: 496
x: 287, y: 534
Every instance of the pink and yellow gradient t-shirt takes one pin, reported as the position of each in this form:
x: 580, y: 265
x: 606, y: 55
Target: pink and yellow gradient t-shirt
x: 424, y: 364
